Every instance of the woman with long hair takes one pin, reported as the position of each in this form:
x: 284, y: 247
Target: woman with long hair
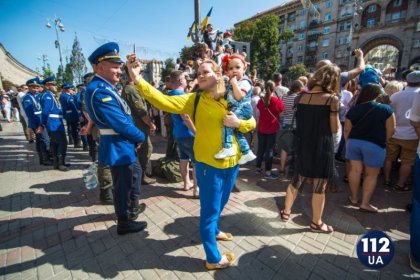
x: 368, y: 126
x: 316, y: 121
x: 270, y: 108
x: 216, y: 177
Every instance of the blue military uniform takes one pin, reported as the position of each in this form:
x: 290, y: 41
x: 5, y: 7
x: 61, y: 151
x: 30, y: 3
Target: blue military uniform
x: 71, y: 114
x: 118, y: 137
x: 33, y: 110
x: 78, y: 98
x: 52, y: 119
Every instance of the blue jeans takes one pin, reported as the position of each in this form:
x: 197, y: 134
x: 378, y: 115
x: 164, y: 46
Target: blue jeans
x: 215, y: 188
x: 415, y: 214
x: 265, y: 149
x: 244, y: 113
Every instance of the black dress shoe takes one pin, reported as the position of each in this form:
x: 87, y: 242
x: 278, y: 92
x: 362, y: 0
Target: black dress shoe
x: 127, y: 226
x: 136, y: 211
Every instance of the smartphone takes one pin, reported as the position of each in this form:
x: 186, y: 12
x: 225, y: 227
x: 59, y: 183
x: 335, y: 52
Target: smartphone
x: 134, y: 48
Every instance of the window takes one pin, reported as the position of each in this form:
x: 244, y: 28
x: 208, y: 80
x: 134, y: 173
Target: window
x: 340, y: 40
x: 290, y: 50
x: 342, y: 26
x: 397, y: 3
x: 371, y: 9
x: 396, y: 16
x: 302, y: 24
x: 313, y: 44
x: 328, y: 17
x: 348, y: 39
x: 418, y: 26
x: 317, y: 7
x: 371, y: 22
x: 348, y: 25
x: 300, y: 48
x: 292, y: 27
x: 302, y: 12
x: 328, y: 4
x: 301, y: 36
x: 416, y: 43
x: 327, y: 30
x: 324, y: 55
x: 325, y: 42
x: 300, y: 59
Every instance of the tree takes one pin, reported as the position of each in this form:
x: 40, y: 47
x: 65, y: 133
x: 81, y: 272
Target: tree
x: 263, y: 34
x: 68, y: 73
x: 295, y: 72
x: 46, y: 71
x: 286, y: 35
x: 77, y: 62
x: 191, y: 53
x: 168, y: 68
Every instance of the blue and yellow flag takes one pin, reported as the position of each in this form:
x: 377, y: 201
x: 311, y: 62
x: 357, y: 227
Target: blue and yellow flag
x: 191, y: 31
x: 206, y: 20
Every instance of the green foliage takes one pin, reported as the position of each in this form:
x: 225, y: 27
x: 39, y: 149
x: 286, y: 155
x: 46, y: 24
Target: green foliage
x: 46, y: 71
x: 191, y: 53
x: 168, y: 68
x: 295, y: 72
x: 77, y: 62
x: 286, y: 35
x: 245, y: 31
x: 265, y: 53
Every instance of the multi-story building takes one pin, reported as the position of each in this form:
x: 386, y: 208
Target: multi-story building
x: 332, y: 29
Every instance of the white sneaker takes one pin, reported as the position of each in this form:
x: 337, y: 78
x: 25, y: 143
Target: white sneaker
x: 225, y: 152
x: 246, y: 158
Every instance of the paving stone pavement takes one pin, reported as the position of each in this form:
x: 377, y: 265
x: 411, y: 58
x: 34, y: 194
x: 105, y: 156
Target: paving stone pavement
x: 51, y: 227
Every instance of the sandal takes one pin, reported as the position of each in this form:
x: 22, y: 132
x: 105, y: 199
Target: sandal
x: 318, y: 228
x: 226, y: 236
x: 227, y: 256
x: 404, y: 189
x: 196, y: 194
x: 349, y: 201
x: 366, y: 210
x: 388, y: 184
x: 284, y: 216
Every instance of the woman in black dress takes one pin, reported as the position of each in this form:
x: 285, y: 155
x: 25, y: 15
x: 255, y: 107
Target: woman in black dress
x: 316, y: 121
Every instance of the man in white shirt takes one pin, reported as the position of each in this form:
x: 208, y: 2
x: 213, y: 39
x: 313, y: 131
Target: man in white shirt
x: 404, y: 141
x: 279, y: 90
x: 415, y: 210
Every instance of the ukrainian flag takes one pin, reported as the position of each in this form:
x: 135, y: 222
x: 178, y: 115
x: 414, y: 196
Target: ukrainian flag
x: 206, y: 20
x: 191, y: 31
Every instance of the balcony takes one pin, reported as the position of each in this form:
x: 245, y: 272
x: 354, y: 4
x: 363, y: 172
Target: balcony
x: 314, y: 36
x: 313, y: 24
x: 311, y: 50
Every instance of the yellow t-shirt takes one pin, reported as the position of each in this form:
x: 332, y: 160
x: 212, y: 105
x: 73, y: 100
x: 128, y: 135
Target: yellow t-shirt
x: 208, y: 122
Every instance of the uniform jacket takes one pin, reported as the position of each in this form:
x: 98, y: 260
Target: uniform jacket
x: 68, y: 104
x: 52, y: 114
x: 112, y: 116
x: 33, y: 110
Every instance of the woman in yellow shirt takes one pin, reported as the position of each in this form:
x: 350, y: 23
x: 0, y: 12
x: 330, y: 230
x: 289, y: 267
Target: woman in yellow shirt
x: 216, y: 177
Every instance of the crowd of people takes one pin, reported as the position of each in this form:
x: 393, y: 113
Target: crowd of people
x: 222, y: 117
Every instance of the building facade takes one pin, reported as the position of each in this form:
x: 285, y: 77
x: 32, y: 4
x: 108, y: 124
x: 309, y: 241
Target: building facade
x: 332, y: 29
x: 12, y: 72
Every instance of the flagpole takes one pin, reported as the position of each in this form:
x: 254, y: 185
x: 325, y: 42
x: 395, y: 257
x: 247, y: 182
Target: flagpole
x: 196, y: 38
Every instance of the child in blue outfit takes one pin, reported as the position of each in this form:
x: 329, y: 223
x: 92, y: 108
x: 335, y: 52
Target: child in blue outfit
x: 239, y: 101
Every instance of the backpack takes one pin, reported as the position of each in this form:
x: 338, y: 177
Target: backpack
x: 166, y: 168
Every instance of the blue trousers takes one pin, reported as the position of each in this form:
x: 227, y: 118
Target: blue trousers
x: 415, y: 215
x: 215, y: 188
x: 126, y: 181
x: 58, y: 143
x: 265, y: 150
x: 42, y: 142
x: 243, y: 113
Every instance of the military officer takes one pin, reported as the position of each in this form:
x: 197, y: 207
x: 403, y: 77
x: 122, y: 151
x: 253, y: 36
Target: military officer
x: 33, y: 110
x: 52, y: 120
x: 143, y: 122
x: 119, y: 137
x: 78, y: 99
x: 70, y: 112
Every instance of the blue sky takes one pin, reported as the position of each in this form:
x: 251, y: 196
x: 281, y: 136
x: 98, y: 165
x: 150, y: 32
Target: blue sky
x: 158, y: 27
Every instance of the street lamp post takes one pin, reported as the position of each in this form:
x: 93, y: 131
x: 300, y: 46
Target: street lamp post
x: 58, y: 26
x: 358, y: 9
